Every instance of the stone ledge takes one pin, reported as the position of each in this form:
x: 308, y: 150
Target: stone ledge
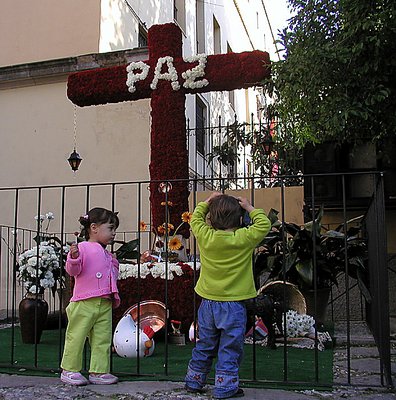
x: 51, y: 71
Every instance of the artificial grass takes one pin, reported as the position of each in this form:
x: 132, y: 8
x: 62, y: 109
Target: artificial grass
x: 269, y: 363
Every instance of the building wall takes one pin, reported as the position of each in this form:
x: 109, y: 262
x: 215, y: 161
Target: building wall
x: 46, y: 29
x: 37, y: 138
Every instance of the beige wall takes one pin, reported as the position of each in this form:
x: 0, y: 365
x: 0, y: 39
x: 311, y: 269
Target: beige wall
x: 37, y: 139
x: 268, y: 198
x: 48, y: 30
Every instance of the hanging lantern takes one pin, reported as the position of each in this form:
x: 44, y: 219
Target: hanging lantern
x: 74, y: 160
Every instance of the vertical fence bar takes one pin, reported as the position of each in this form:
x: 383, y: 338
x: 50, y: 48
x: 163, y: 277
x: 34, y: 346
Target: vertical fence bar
x: 284, y: 249
x: 87, y: 201
x: 14, y: 279
x: 38, y: 241
x: 347, y: 304
x: 379, y: 279
x: 62, y: 276
x: 139, y: 285
x: 315, y: 227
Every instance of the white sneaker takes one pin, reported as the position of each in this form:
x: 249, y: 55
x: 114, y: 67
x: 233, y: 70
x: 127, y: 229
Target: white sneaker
x: 102, y: 379
x: 73, y: 378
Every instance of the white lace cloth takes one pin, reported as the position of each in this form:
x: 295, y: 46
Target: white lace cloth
x: 305, y: 342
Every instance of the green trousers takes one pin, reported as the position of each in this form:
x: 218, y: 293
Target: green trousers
x: 88, y: 318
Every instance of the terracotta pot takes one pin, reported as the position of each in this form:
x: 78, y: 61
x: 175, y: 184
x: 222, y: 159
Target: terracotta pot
x: 33, y: 313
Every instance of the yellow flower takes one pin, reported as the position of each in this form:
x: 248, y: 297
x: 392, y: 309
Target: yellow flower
x: 162, y: 229
x: 143, y: 226
x: 175, y: 244
x: 186, y: 217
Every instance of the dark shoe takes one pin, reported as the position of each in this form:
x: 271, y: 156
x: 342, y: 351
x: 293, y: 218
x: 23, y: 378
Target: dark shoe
x: 238, y: 393
x: 194, y: 390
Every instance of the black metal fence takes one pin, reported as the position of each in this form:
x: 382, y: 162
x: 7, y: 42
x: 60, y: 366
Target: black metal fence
x: 377, y: 262
x: 19, y: 228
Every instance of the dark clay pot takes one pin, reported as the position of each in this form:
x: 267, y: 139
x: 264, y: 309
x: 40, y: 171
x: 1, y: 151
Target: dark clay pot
x: 32, y: 314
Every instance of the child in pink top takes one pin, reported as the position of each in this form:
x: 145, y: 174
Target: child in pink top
x: 95, y: 293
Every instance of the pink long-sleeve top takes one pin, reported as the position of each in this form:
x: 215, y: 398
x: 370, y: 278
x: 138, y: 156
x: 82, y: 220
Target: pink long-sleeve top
x: 95, y: 272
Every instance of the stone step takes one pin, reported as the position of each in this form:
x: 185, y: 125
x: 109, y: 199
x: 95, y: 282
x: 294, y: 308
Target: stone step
x: 359, y: 333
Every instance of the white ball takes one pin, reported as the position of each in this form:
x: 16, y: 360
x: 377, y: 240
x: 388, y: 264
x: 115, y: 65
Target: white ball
x: 125, y: 339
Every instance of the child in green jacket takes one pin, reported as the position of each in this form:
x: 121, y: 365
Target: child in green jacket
x: 226, y: 279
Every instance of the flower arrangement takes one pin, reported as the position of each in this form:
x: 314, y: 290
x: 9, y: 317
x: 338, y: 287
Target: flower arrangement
x: 167, y: 240
x: 198, y: 71
x: 171, y: 75
x: 298, y: 324
x: 132, y: 77
x: 156, y: 270
x: 177, y: 291
x: 39, y: 267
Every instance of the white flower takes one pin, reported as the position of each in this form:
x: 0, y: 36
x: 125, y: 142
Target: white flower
x: 171, y: 75
x: 31, y: 270
x: 198, y: 71
x: 298, y: 324
x: 176, y: 269
x: 36, y: 267
x: 34, y: 289
x: 41, y: 217
x: 156, y: 270
x: 132, y: 77
x: 32, y: 261
x: 49, y: 215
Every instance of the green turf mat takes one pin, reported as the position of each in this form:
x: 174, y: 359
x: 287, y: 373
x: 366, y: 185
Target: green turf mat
x: 269, y: 363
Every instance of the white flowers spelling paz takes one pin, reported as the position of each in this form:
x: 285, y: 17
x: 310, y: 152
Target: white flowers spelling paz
x: 190, y: 76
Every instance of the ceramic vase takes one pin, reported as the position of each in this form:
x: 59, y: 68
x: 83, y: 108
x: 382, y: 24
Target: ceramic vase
x: 33, y: 312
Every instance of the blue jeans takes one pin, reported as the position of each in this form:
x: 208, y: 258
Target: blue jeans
x: 221, y: 327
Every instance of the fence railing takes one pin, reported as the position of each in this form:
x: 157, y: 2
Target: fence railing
x: 173, y: 284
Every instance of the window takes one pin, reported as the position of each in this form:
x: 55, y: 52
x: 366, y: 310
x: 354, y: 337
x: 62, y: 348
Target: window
x: 179, y: 13
x: 142, y: 38
x: 231, y: 93
x: 200, y: 123
x: 200, y: 26
x: 216, y: 37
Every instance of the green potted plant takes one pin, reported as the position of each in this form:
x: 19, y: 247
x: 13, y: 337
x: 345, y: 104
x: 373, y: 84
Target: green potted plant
x: 291, y: 252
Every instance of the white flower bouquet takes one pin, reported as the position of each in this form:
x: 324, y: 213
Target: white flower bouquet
x: 156, y: 270
x: 39, y: 267
x: 298, y: 324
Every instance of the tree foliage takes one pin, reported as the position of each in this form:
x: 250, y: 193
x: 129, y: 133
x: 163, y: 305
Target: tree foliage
x: 338, y: 78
